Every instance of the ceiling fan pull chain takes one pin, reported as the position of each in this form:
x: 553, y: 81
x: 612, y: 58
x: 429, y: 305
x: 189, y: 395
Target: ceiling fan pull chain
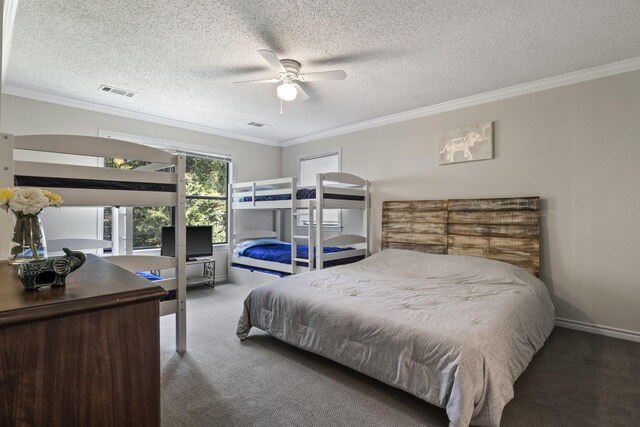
x: 281, y: 106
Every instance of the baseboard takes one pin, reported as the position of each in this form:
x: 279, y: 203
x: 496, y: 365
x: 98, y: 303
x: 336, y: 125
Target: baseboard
x: 598, y: 329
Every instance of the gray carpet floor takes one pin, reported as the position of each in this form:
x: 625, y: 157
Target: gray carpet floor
x: 577, y: 379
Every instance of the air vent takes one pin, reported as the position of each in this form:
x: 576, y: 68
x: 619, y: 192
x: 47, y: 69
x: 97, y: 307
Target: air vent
x: 117, y: 91
x: 258, y: 125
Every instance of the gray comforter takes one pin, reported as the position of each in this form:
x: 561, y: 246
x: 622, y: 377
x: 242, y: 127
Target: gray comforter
x: 455, y: 331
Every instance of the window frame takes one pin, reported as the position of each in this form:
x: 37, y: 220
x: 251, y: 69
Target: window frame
x: 316, y: 155
x: 225, y: 198
x: 193, y: 150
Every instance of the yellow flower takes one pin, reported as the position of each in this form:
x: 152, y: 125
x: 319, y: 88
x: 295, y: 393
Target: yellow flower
x: 54, y: 198
x: 5, y: 195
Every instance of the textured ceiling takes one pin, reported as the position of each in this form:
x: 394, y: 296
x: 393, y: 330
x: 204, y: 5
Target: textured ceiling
x: 181, y: 57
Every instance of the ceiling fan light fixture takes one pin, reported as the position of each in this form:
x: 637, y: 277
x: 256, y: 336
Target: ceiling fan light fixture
x: 287, y: 92
x: 292, y: 82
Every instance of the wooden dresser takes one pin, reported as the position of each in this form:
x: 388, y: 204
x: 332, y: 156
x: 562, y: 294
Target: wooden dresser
x: 86, y: 354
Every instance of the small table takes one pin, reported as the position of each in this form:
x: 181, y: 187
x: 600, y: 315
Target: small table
x: 208, y: 277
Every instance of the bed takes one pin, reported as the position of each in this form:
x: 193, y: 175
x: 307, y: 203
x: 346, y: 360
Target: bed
x: 454, y: 330
x: 334, y: 190
x: 305, y: 193
x: 277, y: 251
x: 102, y: 187
x: 283, y: 197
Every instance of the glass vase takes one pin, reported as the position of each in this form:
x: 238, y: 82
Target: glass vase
x: 28, y: 242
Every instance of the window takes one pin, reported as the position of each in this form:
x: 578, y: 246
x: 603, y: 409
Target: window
x: 308, y: 168
x: 207, y: 181
x: 206, y: 185
x: 147, y: 221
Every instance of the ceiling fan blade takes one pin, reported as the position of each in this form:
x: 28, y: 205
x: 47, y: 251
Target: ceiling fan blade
x: 301, y: 92
x: 323, y: 75
x: 273, y: 60
x: 257, y: 81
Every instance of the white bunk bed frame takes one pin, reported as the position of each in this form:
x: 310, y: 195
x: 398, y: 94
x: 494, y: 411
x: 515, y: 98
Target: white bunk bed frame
x: 331, y: 183
x: 107, y: 147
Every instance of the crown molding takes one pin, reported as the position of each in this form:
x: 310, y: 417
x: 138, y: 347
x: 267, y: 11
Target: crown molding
x: 121, y: 112
x: 474, y: 100
x: 470, y: 101
x: 8, y: 20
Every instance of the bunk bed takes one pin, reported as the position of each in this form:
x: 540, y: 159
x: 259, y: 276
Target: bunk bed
x: 264, y: 250
x: 89, y: 186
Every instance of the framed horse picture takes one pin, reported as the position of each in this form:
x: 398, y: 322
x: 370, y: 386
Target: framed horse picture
x: 466, y: 144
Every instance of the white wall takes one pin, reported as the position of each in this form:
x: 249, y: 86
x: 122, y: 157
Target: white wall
x: 22, y: 116
x: 577, y: 147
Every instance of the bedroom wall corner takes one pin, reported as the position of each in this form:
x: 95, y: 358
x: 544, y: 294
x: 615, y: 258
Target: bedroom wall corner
x: 574, y: 146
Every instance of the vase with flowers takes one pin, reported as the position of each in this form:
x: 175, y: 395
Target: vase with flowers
x: 28, y: 242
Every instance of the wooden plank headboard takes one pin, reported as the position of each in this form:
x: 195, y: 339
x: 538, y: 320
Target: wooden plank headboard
x: 501, y: 229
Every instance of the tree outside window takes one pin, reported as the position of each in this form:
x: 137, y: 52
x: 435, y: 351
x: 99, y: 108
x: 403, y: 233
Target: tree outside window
x: 206, y: 185
x: 206, y: 182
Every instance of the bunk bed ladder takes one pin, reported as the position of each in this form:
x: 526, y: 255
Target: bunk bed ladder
x: 309, y: 238
x: 319, y: 205
x: 293, y: 225
x: 367, y: 216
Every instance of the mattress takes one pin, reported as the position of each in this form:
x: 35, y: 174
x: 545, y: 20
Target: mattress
x: 96, y: 184
x: 455, y: 331
x: 330, y: 263
x: 301, y: 194
x: 281, y: 252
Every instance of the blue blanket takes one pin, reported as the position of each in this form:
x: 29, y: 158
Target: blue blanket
x: 171, y: 295
x: 282, y: 252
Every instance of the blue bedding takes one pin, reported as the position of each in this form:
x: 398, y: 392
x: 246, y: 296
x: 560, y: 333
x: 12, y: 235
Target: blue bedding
x: 281, y: 252
x: 170, y: 295
x: 242, y: 247
x: 301, y: 194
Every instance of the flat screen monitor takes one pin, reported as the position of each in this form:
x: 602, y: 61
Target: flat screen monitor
x: 199, y: 241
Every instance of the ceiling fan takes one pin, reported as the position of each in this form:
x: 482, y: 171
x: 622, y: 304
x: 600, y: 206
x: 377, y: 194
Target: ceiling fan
x: 289, y: 74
